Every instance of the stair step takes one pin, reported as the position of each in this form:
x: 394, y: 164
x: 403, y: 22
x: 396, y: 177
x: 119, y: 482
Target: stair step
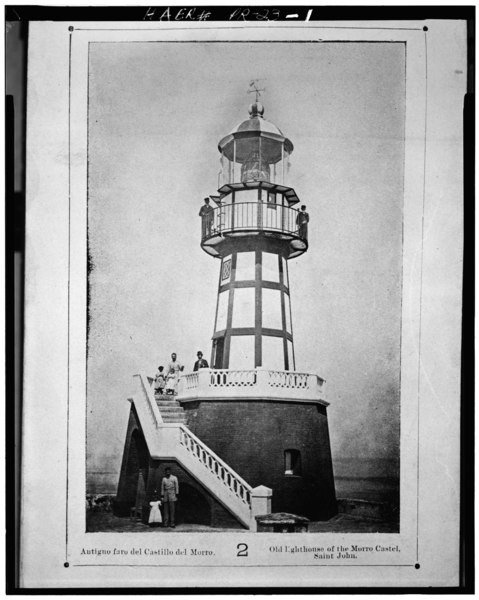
x: 166, y: 399
x: 173, y: 415
x: 170, y: 409
x: 167, y: 403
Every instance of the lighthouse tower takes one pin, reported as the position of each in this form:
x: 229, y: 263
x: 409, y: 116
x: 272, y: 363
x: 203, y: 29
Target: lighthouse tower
x: 249, y: 435
x: 264, y: 418
x: 254, y: 231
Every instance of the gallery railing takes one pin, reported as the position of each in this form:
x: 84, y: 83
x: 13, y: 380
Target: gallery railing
x: 250, y: 216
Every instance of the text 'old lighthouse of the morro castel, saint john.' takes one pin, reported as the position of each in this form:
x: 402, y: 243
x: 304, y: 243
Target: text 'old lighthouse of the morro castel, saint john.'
x: 255, y: 421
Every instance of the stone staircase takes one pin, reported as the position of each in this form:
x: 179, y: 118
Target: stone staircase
x: 170, y: 409
x: 163, y: 422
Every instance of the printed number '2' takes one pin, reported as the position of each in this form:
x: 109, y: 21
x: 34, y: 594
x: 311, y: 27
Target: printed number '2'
x: 242, y: 549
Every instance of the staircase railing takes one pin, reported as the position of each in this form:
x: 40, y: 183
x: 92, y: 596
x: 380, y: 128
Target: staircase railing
x: 150, y: 403
x: 215, y: 465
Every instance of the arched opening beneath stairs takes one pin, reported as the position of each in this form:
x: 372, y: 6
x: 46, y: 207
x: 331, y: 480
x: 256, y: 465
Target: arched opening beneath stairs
x: 193, y: 507
x: 136, y: 479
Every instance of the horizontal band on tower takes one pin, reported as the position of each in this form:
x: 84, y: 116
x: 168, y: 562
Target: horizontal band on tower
x: 264, y: 331
x: 277, y: 399
x: 247, y: 283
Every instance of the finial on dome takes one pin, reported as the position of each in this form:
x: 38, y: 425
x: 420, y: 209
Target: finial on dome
x: 256, y: 110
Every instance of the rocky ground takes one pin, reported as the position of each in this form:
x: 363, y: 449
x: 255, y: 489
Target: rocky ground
x: 341, y: 523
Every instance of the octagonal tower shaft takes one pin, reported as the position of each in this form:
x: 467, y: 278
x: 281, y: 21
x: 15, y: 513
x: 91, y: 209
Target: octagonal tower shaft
x: 254, y: 230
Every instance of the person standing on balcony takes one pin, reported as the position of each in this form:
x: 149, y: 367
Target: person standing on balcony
x: 201, y: 363
x: 206, y: 213
x: 302, y: 221
x: 173, y: 375
x: 169, y: 494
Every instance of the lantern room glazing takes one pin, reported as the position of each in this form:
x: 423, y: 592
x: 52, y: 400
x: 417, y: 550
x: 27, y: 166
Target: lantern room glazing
x: 256, y: 150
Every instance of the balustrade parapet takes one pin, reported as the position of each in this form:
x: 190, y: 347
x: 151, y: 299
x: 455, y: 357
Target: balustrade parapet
x: 259, y: 383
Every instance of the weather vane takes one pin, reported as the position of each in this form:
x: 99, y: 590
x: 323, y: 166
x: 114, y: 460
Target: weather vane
x: 254, y: 88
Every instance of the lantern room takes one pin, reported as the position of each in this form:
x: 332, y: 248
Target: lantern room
x: 255, y: 150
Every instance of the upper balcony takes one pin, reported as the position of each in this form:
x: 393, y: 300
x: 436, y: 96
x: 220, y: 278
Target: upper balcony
x: 253, y: 384
x: 246, y: 219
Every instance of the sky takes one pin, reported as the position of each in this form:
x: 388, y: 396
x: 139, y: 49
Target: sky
x: 156, y: 114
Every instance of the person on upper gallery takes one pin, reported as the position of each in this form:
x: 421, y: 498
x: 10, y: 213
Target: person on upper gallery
x: 201, y: 363
x: 173, y: 375
x: 169, y: 494
x: 302, y: 221
x: 206, y: 214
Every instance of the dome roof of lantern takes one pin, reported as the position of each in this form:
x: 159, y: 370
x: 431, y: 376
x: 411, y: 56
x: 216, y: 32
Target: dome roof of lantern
x: 256, y: 125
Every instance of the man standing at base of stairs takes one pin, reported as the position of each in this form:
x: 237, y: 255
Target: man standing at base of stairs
x: 169, y: 493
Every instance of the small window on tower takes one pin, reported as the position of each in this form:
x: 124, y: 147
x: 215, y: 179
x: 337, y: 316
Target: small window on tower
x: 272, y: 200
x: 292, y: 462
x: 226, y: 271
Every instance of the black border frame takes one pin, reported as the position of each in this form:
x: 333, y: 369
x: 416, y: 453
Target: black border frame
x: 14, y: 243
